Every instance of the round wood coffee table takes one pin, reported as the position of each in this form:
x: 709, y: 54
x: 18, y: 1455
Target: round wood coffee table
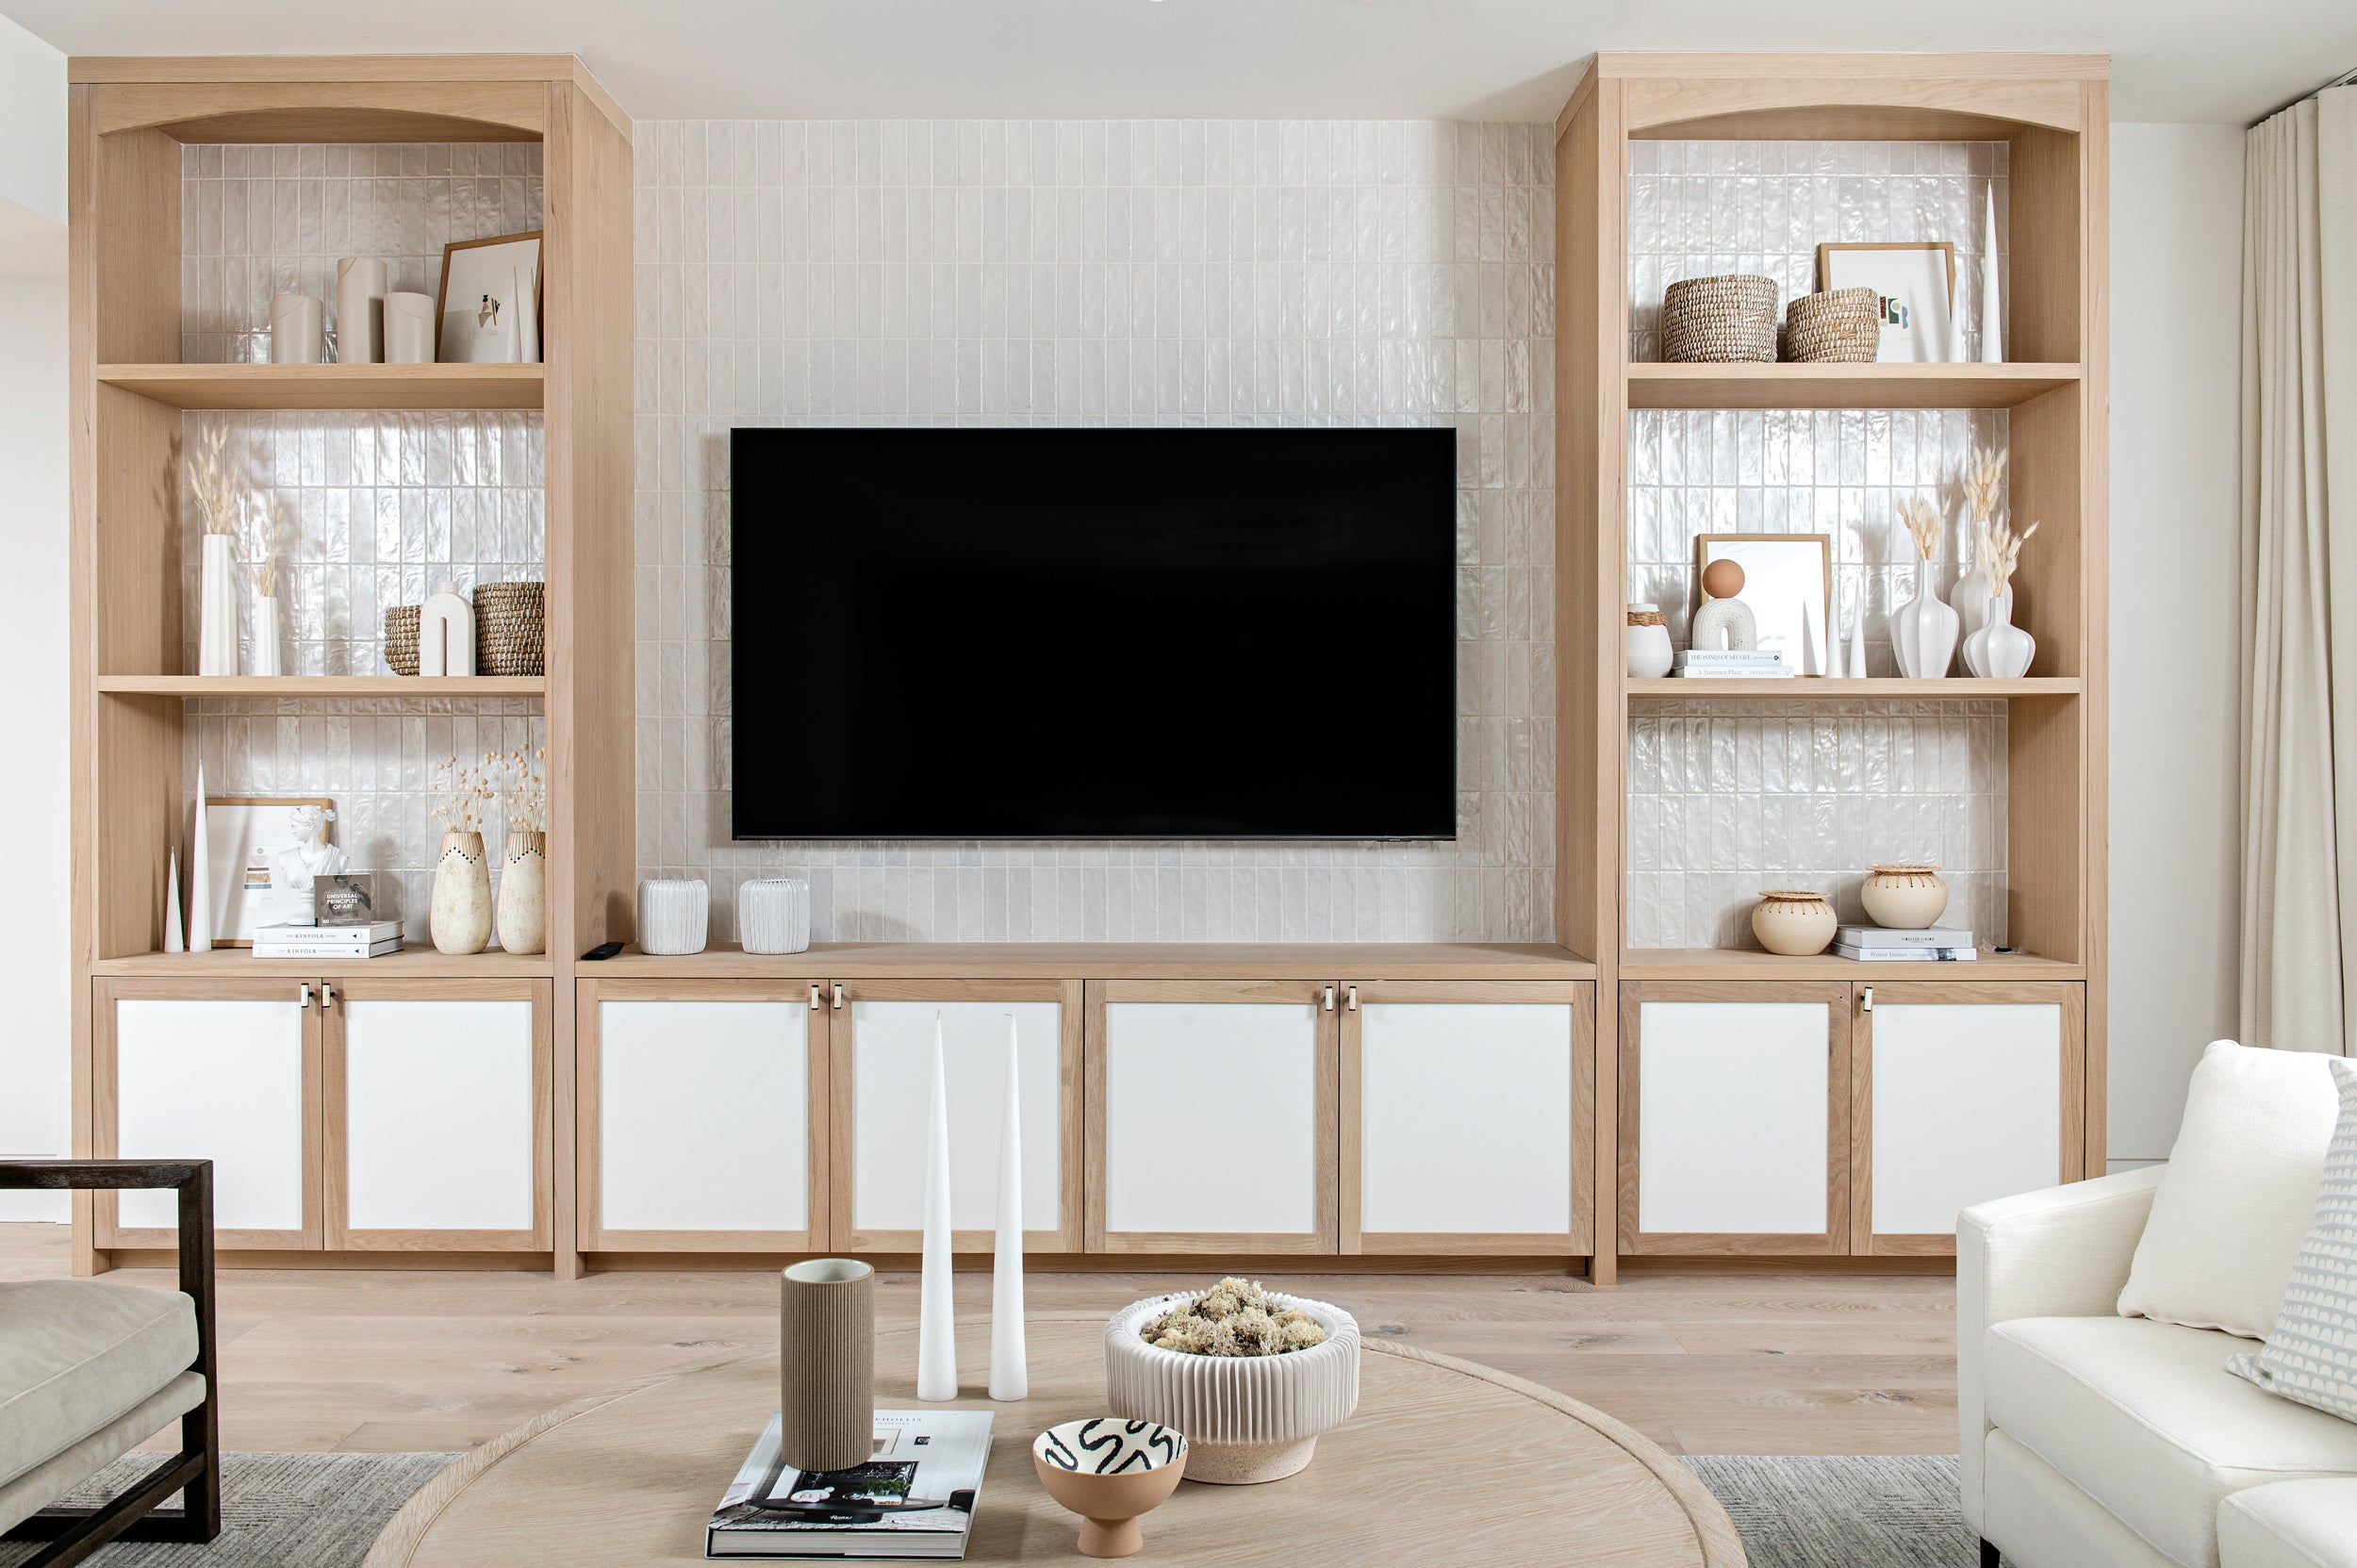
x: 1446, y: 1462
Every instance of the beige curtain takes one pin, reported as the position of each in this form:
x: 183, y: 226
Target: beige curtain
x: 2300, y: 578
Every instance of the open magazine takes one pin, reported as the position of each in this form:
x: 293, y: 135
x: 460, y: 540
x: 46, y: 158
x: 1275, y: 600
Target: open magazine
x: 913, y: 1499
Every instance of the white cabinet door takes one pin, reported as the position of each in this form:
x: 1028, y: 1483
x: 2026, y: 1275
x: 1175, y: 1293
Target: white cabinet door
x: 700, y: 1131
x: 882, y: 1083
x: 1462, y: 1109
x: 1734, y: 1117
x: 437, y: 1115
x: 225, y: 1071
x: 1218, y: 1117
x: 1974, y: 1096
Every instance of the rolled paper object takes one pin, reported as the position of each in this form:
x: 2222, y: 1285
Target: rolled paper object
x: 298, y: 329
x: 408, y: 329
x: 359, y: 290
x: 1010, y: 1375
x: 936, y: 1319
x: 827, y: 1363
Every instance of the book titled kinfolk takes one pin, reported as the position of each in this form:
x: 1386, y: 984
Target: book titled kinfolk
x: 913, y: 1499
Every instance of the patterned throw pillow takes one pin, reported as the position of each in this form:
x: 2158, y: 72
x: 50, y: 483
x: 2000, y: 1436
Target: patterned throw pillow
x: 2312, y: 1355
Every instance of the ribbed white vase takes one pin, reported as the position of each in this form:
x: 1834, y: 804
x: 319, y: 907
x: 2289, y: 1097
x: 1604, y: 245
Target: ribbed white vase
x: 673, y: 916
x: 773, y: 914
x: 1247, y: 1418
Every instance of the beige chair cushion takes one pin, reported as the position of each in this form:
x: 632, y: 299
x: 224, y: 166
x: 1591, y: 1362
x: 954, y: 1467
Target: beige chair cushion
x: 60, y: 1474
x: 75, y: 1354
x: 2290, y: 1525
x: 2145, y: 1420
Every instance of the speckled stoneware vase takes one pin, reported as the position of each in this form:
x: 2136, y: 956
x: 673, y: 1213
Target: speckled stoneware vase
x: 523, y: 902
x: 462, y: 895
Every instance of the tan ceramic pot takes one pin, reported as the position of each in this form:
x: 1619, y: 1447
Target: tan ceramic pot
x: 1794, y: 923
x: 1905, y: 898
x: 1109, y: 1471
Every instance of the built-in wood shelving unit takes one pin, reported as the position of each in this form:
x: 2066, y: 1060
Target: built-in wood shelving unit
x: 326, y: 387
x: 323, y: 686
x: 2053, y: 111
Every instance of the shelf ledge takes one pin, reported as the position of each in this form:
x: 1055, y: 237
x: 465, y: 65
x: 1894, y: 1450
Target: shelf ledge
x: 1736, y: 963
x: 325, y: 685
x: 358, y: 386
x: 1808, y: 686
x: 1822, y: 385
x: 1327, y: 961
x: 416, y: 961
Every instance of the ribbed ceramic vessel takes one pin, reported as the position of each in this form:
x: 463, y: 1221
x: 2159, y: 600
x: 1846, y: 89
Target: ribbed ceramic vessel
x: 1247, y: 1418
x: 827, y: 1363
x: 773, y: 914
x: 673, y: 916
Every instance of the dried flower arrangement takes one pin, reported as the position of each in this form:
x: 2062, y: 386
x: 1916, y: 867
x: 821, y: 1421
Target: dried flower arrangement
x: 1980, y: 487
x: 462, y: 793
x: 214, y: 481
x: 1234, y: 1317
x: 263, y: 531
x: 1922, y: 524
x: 522, y: 790
x: 2001, y: 551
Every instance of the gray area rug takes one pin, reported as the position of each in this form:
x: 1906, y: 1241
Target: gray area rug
x: 278, y: 1510
x: 1843, y: 1511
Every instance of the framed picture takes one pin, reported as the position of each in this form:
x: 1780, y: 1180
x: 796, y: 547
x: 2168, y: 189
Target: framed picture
x: 258, y: 851
x: 1788, y: 584
x: 489, y: 311
x: 1917, y: 286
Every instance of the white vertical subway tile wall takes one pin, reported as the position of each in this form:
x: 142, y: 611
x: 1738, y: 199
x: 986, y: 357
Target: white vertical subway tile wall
x: 1104, y: 272
x: 363, y: 511
x: 1728, y: 796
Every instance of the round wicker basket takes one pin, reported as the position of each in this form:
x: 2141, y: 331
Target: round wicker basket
x: 510, y: 628
x: 401, y: 638
x: 1719, y: 320
x: 1840, y: 326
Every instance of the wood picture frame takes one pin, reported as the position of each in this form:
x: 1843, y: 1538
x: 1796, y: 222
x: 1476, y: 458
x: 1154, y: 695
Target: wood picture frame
x: 234, y: 918
x: 1884, y: 266
x: 1793, y: 637
x: 528, y: 351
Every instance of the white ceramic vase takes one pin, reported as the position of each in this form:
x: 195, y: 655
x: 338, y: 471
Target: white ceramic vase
x: 462, y: 895
x: 1970, y: 598
x: 359, y: 307
x: 1923, y: 632
x: 267, y: 630
x: 1904, y: 898
x: 298, y: 329
x: 1795, y: 923
x: 1999, y: 651
x: 1649, y: 653
x: 408, y: 329
x: 673, y: 916
x: 773, y: 914
x: 523, y: 920
x: 1247, y: 1418
x: 217, y: 608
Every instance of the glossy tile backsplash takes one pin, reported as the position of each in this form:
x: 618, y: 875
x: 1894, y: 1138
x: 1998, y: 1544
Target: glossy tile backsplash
x: 1104, y: 272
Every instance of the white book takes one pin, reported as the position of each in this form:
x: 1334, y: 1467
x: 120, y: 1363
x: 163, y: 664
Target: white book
x: 914, y: 1497
x: 373, y: 931
x: 1761, y: 672
x: 1887, y: 936
x: 327, y: 949
x: 1904, y: 955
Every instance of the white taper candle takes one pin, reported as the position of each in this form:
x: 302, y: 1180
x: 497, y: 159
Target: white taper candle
x: 200, y: 877
x: 1010, y: 1375
x: 1992, y: 308
x: 936, y: 1318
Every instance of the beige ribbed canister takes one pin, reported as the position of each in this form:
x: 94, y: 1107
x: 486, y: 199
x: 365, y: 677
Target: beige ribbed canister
x: 827, y: 1363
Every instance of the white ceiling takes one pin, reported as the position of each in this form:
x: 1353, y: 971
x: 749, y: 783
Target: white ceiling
x: 2172, y: 59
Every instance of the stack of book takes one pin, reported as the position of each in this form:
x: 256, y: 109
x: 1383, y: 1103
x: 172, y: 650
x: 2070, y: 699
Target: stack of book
x: 1885, y: 945
x: 914, y: 1497
x: 366, y: 939
x: 1747, y: 664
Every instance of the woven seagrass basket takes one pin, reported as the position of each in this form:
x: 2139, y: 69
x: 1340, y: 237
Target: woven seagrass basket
x: 1719, y: 320
x: 1840, y: 326
x: 511, y: 628
x: 401, y: 638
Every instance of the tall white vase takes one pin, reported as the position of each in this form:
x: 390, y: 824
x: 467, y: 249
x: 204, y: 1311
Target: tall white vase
x: 461, y: 918
x: 360, y: 282
x: 936, y: 1317
x: 200, y: 877
x: 217, y: 608
x: 1923, y: 632
x: 1999, y: 651
x: 522, y: 917
x: 1010, y: 1370
x: 266, y: 631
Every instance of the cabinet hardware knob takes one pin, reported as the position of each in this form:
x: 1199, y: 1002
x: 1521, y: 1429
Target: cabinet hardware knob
x: 327, y: 995
x: 305, y: 991
x: 814, y: 995
x: 838, y: 997
x: 1327, y: 999
x: 1350, y: 998
x: 1865, y: 1000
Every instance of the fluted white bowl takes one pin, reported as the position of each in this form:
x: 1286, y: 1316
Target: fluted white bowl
x: 773, y: 914
x: 672, y: 916
x: 1247, y: 1418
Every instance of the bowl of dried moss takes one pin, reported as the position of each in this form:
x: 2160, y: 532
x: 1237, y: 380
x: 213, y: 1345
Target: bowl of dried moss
x: 1250, y: 1375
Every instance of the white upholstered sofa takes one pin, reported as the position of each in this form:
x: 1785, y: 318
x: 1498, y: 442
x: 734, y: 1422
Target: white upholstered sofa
x: 2090, y: 1440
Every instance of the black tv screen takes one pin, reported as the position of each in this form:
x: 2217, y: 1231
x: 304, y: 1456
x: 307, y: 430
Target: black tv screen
x: 1094, y: 634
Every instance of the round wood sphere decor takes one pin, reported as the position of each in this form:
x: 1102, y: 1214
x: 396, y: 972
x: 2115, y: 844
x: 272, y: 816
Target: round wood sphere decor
x: 1723, y: 579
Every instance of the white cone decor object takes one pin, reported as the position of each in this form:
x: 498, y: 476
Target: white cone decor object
x: 1010, y: 1373
x: 936, y: 1318
x: 1992, y: 312
x: 175, y: 937
x: 200, y: 878
x: 217, y: 608
x: 1858, y: 639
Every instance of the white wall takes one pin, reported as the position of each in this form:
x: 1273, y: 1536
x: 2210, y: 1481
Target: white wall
x: 2175, y: 618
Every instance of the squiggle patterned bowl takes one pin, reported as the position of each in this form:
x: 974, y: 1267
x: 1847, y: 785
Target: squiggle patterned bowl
x: 1109, y: 1471
x: 1247, y: 1418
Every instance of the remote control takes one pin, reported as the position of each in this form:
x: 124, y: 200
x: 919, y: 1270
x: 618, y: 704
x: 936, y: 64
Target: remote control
x: 602, y: 950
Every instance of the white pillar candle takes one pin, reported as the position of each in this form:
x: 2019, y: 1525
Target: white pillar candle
x: 936, y: 1318
x: 1010, y: 1377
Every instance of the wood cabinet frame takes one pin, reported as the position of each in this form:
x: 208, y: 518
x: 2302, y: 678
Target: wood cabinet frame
x: 1326, y: 1158
x: 104, y: 1130
x: 595, y: 1236
x: 1835, y: 998
x: 845, y: 995
x: 335, y: 1123
x: 2071, y: 999
x: 1354, y: 1241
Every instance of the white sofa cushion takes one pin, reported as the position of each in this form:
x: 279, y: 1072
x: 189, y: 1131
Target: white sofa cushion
x: 2290, y: 1525
x: 2238, y: 1192
x: 2145, y: 1419
x: 2312, y: 1355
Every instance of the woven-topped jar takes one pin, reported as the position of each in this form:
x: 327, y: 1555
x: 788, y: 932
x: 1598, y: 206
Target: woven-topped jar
x: 1794, y: 922
x: 1905, y: 898
x: 1841, y: 327
x: 1722, y: 320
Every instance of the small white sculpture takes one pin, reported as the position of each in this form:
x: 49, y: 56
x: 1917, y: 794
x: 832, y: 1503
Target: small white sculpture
x: 293, y: 866
x: 446, y: 632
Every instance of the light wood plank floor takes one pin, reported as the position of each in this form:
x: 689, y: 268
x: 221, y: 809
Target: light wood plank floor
x: 1702, y: 1364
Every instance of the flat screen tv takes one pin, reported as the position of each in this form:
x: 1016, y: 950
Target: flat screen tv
x: 1094, y: 634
